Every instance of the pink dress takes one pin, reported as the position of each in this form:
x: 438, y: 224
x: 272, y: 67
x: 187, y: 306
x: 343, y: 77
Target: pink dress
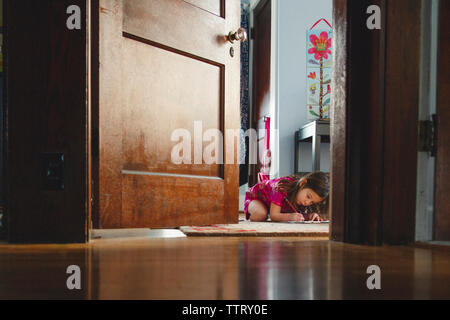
x: 267, y: 193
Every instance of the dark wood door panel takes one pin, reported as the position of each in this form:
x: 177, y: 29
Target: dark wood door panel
x: 172, y: 25
x: 151, y: 128
x: 171, y: 201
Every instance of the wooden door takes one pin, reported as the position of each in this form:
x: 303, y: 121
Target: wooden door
x: 166, y: 65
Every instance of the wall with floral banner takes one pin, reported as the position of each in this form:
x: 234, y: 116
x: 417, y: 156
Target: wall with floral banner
x: 318, y: 69
x: 294, y: 17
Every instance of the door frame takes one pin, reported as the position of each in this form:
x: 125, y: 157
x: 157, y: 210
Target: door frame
x: 348, y: 172
x: 57, y: 105
x: 373, y: 199
x: 355, y: 131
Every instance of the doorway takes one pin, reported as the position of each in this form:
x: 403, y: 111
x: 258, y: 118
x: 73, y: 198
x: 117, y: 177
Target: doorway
x: 46, y: 215
x: 281, y: 91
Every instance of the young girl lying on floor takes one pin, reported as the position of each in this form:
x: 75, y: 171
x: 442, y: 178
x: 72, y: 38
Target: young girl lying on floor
x: 288, y: 199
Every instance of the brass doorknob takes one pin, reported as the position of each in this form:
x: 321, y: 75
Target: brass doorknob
x: 239, y: 35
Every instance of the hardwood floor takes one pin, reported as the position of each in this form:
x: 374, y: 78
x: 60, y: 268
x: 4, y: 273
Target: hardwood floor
x: 222, y: 268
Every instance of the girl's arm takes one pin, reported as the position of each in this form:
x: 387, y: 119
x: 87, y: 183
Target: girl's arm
x: 277, y: 216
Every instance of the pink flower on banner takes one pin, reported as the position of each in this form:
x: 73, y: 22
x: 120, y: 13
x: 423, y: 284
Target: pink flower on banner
x: 321, y: 45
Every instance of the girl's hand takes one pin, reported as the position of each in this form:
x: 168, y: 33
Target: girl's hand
x: 314, y: 217
x: 296, y: 217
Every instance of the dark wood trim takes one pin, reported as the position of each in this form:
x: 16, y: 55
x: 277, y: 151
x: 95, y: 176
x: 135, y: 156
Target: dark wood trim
x: 4, y: 132
x: 378, y: 181
x: 374, y: 123
x: 402, y: 83
x: 89, y: 77
x: 442, y: 204
x: 338, y: 128
x: 95, y: 105
x: 2, y: 185
x: 46, y: 112
x: 357, y: 124
x: 365, y: 127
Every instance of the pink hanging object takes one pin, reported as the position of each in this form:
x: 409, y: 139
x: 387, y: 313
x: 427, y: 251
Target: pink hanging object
x: 318, y: 21
x: 263, y: 174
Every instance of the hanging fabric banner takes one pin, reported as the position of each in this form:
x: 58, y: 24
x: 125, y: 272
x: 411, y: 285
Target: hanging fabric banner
x: 318, y: 69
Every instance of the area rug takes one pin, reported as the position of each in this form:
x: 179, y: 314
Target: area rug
x: 259, y: 229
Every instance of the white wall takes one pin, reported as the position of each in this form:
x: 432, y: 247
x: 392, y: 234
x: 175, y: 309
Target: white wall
x: 294, y: 17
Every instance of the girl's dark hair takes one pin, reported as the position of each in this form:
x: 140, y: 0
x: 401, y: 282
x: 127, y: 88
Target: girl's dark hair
x: 316, y: 181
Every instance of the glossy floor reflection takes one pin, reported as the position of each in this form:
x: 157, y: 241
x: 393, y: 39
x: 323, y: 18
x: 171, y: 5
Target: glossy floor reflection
x: 222, y: 268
